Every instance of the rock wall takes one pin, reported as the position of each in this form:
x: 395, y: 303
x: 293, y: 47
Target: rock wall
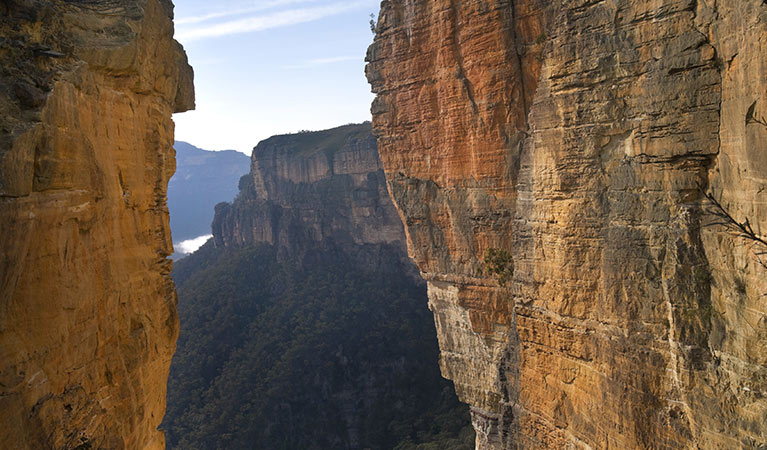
x: 309, y: 188
x: 573, y: 136
x: 88, y: 318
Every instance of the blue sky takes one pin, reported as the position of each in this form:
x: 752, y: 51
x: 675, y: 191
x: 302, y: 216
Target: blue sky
x: 266, y: 67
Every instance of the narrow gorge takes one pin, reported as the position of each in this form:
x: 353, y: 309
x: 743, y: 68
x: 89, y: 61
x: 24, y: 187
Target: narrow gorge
x: 577, y: 139
x: 582, y: 184
x: 303, y: 323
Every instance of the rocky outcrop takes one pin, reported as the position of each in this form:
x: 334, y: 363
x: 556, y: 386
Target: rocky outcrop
x: 572, y: 137
x: 87, y: 308
x: 312, y: 188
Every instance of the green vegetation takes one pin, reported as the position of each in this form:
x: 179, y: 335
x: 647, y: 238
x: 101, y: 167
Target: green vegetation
x: 500, y: 264
x: 326, y: 353
x: 307, y: 143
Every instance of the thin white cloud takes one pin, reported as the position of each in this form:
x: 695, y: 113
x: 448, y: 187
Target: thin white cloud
x: 266, y: 22
x: 206, y: 62
x: 190, y: 20
x: 322, y: 61
x: 334, y: 59
x: 191, y: 245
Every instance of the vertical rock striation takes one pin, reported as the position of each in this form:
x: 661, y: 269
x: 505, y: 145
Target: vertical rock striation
x: 87, y: 308
x: 574, y: 136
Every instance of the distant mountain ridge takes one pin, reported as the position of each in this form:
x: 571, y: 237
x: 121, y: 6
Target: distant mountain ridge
x: 203, y: 178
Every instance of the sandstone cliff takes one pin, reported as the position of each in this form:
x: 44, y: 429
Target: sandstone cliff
x: 573, y: 136
x: 309, y: 188
x: 87, y: 308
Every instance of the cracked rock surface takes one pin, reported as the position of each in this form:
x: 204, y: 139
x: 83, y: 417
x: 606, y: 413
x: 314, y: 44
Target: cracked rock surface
x: 88, y: 318
x: 574, y: 136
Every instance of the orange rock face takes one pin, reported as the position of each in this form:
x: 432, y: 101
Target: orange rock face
x: 574, y: 136
x: 87, y: 308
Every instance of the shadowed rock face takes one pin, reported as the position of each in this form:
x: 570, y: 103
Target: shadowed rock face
x: 87, y: 308
x: 574, y: 135
x: 308, y: 188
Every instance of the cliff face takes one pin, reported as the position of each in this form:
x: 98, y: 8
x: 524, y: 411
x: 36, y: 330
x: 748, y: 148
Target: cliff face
x: 308, y: 188
x: 87, y: 308
x: 573, y: 136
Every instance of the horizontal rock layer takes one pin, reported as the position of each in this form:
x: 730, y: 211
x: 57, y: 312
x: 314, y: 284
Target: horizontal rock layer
x: 574, y: 136
x: 87, y: 308
x: 309, y: 188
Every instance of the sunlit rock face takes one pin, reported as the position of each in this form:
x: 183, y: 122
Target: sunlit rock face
x: 574, y: 136
x: 87, y: 308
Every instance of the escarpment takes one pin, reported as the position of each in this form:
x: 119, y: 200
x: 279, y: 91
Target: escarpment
x: 308, y: 189
x: 87, y: 308
x: 575, y: 139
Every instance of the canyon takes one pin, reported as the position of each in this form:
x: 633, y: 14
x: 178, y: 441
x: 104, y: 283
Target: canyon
x: 550, y: 162
x: 577, y: 139
x: 304, y: 324
x: 88, y: 320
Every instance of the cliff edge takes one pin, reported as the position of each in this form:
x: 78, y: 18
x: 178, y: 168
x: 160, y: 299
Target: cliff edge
x: 570, y: 139
x: 309, y: 189
x: 88, y: 317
